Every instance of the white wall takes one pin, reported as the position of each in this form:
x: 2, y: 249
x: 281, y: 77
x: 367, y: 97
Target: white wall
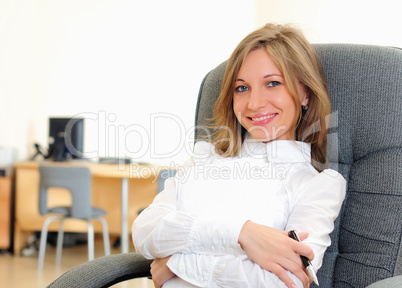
x: 117, y: 62
x: 338, y: 21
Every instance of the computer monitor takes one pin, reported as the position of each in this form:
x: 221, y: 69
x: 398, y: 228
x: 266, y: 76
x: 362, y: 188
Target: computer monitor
x: 66, y: 138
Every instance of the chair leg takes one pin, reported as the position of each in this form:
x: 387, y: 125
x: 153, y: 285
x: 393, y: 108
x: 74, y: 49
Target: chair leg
x: 105, y: 230
x: 60, y: 240
x: 91, y: 241
x: 43, y: 239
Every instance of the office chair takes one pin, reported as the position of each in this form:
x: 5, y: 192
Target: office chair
x: 78, y: 181
x: 364, y: 145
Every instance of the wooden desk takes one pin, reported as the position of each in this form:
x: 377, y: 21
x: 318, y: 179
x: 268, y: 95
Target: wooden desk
x: 114, y: 188
x: 5, y: 212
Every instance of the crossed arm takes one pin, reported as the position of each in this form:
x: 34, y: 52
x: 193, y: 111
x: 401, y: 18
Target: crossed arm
x: 270, y: 248
x: 167, y: 235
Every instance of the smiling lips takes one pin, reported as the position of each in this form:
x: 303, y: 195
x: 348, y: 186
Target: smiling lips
x: 262, y: 120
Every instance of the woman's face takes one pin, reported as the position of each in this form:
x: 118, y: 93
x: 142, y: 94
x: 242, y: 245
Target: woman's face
x: 262, y: 102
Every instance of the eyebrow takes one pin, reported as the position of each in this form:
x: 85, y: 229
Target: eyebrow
x: 266, y: 76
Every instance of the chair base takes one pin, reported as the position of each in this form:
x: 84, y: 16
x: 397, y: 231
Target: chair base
x: 60, y: 238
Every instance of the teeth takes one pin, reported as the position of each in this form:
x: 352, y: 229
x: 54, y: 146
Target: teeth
x: 263, y: 118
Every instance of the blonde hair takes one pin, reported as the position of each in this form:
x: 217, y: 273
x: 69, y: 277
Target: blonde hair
x: 297, y: 61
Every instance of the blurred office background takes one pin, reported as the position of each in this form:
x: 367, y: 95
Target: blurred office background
x: 133, y: 68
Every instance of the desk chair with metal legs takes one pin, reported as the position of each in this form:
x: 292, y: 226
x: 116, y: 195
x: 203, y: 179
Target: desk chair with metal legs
x: 78, y: 181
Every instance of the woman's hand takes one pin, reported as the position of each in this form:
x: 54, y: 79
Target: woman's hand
x: 276, y: 252
x: 160, y: 272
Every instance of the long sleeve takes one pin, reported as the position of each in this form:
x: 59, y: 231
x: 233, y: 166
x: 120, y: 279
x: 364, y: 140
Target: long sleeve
x: 314, y: 209
x: 225, y: 271
x: 196, y: 269
x: 162, y: 230
x: 314, y: 202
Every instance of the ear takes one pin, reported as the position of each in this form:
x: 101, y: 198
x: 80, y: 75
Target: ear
x: 303, y: 94
x: 305, y: 99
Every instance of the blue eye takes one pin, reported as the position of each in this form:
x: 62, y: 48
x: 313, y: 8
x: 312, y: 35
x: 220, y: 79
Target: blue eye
x: 241, y: 88
x: 274, y: 83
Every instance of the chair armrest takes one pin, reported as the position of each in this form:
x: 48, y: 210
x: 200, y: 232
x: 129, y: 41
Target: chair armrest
x: 104, y: 271
x: 393, y: 282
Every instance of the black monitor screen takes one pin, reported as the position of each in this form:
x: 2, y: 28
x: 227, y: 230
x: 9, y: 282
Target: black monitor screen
x: 66, y: 138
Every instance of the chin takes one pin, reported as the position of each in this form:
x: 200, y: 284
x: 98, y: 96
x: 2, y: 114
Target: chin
x: 261, y: 136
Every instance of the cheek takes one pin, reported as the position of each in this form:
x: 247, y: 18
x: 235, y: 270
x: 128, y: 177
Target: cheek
x: 235, y: 106
x: 237, y: 110
x: 238, y: 105
x: 238, y: 115
x: 287, y: 104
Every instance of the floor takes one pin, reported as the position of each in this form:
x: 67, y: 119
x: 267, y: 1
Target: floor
x: 20, y: 271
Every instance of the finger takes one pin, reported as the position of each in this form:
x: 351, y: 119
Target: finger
x: 303, y: 249
x: 152, y: 267
x: 281, y: 273
x: 294, y: 264
x: 297, y: 269
x: 303, y: 235
x: 157, y: 285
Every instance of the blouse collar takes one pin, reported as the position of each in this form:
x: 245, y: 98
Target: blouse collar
x: 279, y: 151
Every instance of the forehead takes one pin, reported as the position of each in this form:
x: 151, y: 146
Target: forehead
x: 258, y: 63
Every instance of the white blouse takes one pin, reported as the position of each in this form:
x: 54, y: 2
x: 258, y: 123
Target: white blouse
x: 198, y: 217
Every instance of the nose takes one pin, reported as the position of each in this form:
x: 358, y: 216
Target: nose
x: 256, y: 100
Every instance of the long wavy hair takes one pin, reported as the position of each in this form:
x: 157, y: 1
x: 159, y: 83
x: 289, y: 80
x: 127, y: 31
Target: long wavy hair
x: 297, y: 61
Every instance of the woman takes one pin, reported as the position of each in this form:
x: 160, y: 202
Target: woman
x: 224, y: 220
